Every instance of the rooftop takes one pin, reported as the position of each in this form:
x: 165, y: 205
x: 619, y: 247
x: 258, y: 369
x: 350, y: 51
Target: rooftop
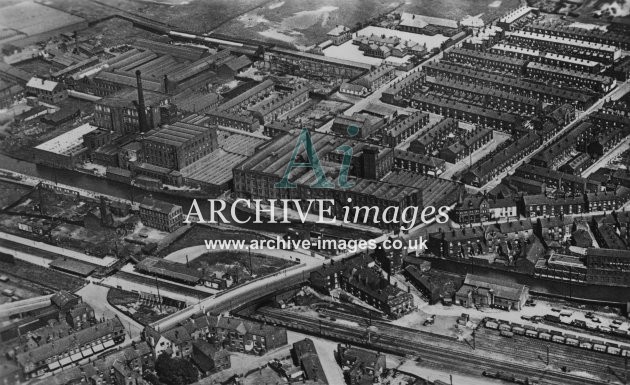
x: 501, y: 288
x: 69, y: 142
x: 176, y: 134
x: 421, y: 21
x: 155, y: 205
x: 338, y: 30
x: 42, y: 84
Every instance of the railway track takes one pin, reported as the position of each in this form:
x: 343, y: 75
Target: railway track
x: 525, y: 348
x: 519, y: 347
x: 573, y: 358
x: 457, y: 356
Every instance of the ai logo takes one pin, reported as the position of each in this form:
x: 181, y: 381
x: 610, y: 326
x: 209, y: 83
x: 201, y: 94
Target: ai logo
x: 313, y: 163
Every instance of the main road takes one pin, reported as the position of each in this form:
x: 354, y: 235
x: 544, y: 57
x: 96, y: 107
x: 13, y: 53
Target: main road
x: 251, y: 291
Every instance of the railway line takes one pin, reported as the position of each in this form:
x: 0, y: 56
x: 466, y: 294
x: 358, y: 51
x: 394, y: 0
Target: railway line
x: 573, y: 358
x: 518, y: 347
x: 433, y: 349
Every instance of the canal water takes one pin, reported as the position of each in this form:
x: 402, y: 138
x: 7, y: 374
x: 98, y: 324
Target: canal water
x: 125, y: 191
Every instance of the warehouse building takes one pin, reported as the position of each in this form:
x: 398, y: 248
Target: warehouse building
x: 427, y: 25
x: 47, y: 91
x: 160, y: 215
x: 236, y: 121
x: 287, y: 60
x: 489, y: 292
x: 178, y: 145
x: 514, y: 19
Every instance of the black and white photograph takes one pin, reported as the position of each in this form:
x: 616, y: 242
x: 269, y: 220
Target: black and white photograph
x: 320, y: 192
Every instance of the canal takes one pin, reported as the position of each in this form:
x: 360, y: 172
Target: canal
x: 125, y: 191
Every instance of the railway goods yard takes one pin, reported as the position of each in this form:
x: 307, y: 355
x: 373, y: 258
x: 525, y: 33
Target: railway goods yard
x: 518, y: 355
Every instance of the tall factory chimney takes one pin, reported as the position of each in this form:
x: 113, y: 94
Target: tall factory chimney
x: 75, y: 34
x: 142, y: 114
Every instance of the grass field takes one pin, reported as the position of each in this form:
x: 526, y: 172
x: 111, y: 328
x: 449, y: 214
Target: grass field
x: 298, y: 22
x: 457, y: 9
x: 304, y: 22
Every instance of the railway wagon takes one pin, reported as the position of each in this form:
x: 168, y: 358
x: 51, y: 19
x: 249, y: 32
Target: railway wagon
x: 492, y: 325
x: 505, y: 327
x: 558, y: 339
x: 613, y: 350
x: 531, y: 333
x: 506, y: 333
x: 544, y: 336
x: 586, y: 344
x: 599, y: 347
x: 518, y: 330
x: 572, y: 341
x: 625, y: 352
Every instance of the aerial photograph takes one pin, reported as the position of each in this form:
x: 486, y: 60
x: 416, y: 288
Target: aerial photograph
x: 323, y: 192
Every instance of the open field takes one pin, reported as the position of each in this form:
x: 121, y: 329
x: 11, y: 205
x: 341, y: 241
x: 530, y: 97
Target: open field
x: 458, y: 9
x: 303, y: 22
x: 298, y: 22
x: 32, y: 18
x: 117, y: 31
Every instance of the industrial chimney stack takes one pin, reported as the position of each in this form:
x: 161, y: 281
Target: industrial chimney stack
x: 142, y: 115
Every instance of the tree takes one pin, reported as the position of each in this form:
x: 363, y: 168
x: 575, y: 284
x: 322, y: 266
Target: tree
x: 175, y: 371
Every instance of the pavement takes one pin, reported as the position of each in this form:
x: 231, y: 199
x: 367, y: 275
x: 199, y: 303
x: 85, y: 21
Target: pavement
x: 96, y: 296
x: 251, y: 290
x: 608, y: 157
x: 498, y: 138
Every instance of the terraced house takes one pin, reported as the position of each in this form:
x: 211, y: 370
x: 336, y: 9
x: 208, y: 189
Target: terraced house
x: 67, y: 351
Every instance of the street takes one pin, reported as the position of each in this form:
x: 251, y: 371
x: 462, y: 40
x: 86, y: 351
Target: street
x: 96, y: 296
x: 608, y: 157
x: 612, y: 95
